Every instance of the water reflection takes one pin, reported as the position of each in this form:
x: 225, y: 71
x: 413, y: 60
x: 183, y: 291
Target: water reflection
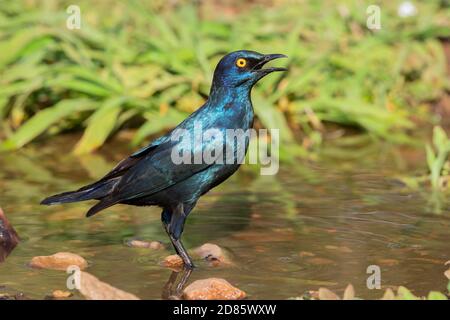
x: 173, y: 290
x: 5, y: 250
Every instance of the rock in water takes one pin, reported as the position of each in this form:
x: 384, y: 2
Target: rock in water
x: 59, y: 261
x: 155, y: 245
x: 59, y: 294
x: 94, y: 289
x: 212, y: 289
x: 8, y: 237
x: 212, y: 253
x: 173, y: 262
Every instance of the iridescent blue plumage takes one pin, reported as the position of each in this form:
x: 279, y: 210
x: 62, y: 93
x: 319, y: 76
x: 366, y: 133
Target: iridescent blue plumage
x: 150, y: 176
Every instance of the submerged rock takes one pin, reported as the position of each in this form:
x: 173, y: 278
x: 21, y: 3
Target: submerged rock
x: 13, y: 296
x: 155, y: 245
x: 59, y: 294
x: 341, y: 249
x: 303, y: 254
x: 212, y: 289
x: 17, y: 296
x: 5, y: 296
x: 20, y: 296
x: 8, y: 237
x: 212, y: 253
x: 174, y: 262
x: 59, y: 261
x: 94, y: 289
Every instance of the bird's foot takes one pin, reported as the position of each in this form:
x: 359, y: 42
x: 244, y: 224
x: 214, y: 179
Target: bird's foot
x: 188, y: 265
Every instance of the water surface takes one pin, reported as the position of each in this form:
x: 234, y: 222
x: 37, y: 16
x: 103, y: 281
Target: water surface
x: 315, y: 224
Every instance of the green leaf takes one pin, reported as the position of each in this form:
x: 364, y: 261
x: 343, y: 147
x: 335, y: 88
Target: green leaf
x: 431, y: 157
x: 12, y: 47
x: 43, y: 120
x: 83, y: 86
x: 156, y: 123
x: 101, y: 123
x: 439, y: 137
x: 404, y: 294
x: 272, y: 118
x: 3, y: 104
x: 436, y: 295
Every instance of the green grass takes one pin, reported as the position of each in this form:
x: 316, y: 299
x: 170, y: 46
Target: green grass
x: 147, y: 66
x: 438, y: 162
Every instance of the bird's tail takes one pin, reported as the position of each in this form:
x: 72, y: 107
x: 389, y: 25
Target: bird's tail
x: 96, y: 191
x: 103, y: 204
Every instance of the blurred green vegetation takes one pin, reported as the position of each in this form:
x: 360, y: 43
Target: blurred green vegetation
x: 437, y: 158
x: 438, y: 176
x: 146, y: 65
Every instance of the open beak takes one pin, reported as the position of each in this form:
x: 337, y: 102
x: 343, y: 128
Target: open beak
x: 268, y: 57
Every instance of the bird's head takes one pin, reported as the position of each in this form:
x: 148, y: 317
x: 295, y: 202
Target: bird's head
x: 243, y: 68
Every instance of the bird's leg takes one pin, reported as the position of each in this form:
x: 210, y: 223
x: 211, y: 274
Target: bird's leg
x: 173, y: 221
x: 179, y: 248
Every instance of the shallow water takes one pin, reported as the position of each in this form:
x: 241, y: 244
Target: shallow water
x: 313, y: 225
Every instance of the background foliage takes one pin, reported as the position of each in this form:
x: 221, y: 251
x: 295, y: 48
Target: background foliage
x: 146, y: 65
x: 143, y: 66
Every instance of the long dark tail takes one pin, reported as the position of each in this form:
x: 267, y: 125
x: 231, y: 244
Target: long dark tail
x: 94, y: 191
x: 103, y: 204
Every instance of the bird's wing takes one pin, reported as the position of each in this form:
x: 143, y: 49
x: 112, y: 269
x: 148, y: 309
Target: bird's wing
x: 132, y: 160
x: 123, y: 166
x: 154, y: 172
x: 158, y: 170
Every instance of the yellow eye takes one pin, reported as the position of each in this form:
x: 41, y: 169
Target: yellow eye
x: 241, y: 62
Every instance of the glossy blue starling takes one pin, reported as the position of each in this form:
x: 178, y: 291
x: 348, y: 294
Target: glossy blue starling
x: 154, y: 176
